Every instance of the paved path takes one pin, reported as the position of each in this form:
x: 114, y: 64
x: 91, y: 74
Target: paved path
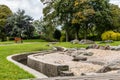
x: 97, y: 77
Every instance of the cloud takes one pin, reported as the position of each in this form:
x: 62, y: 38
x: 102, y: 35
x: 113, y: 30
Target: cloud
x: 116, y: 2
x: 31, y: 7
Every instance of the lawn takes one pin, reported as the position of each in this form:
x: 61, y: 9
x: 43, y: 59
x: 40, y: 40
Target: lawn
x: 9, y: 71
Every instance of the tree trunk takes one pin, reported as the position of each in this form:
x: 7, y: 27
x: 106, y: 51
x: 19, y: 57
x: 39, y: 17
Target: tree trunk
x: 85, y: 33
x: 76, y: 35
x: 66, y: 32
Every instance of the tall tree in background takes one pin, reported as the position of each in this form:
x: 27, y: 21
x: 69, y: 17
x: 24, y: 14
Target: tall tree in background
x: 83, y: 15
x: 115, y: 13
x: 103, y: 19
x: 64, y: 10
x: 20, y: 25
x: 4, y: 13
x: 80, y: 16
x: 49, y: 19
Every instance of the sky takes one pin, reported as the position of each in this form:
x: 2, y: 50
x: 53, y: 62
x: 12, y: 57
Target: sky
x: 33, y: 7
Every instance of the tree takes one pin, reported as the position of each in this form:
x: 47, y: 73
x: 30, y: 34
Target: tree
x: 20, y: 25
x: 83, y: 15
x: 103, y: 19
x: 57, y: 34
x: 4, y: 13
x: 115, y: 11
x: 38, y: 26
x: 64, y: 11
x: 50, y: 20
x: 79, y: 16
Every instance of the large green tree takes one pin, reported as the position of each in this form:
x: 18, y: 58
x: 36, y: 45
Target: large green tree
x: 115, y: 13
x: 19, y: 25
x: 84, y: 17
x: 4, y: 13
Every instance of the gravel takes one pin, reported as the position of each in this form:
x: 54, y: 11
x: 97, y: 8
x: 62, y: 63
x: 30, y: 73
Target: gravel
x: 108, y: 57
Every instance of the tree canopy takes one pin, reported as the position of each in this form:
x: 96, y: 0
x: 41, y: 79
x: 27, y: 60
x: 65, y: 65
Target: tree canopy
x: 4, y: 13
x: 82, y: 17
x: 19, y: 25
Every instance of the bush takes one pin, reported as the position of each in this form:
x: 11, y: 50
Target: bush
x: 110, y: 35
x: 62, y: 38
x: 57, y: 34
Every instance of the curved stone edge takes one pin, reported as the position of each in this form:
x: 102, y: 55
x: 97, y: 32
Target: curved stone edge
x: 49, y: 69
x: 24, y: 67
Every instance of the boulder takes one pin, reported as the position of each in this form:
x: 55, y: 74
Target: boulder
x: 75, y: 41
x: 79, y: 58
x: 104, y: 69
x: 88, y: 53
x: 94, y: 46
x: 90, y: 74
x: 117, y: 48
x: 107, y: 41
x: 58, y: 48
x: 75, y: 53
x: 66, y: 73
x: 102, y: 47
x: 107, y: 47
x: 85, y: 41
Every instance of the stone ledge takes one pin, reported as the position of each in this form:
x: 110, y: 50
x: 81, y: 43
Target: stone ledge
x: 49, y: 69
x: 17, y: 57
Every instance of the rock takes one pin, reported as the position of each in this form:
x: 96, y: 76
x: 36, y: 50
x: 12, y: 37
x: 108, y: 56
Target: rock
x: 117, y: 48
x: 75, y: 53
x: 102, y: 47
x: 72, y: 49
x: 85, y: 41
x: 82, y: 49
x: 58, y: 48
x: 85, y: 74
x: 106, y: 41
x: 113, y: 47
x: 88, y: 53
x: 104, y: 69
x: 95, y: 46
x: 96, y: 62
x: 75, y: 41
x: 107, y: 47
x: 79, y: 58
x: 118, y: 71
x: 89, y: 47
x: 66, y: 73
x: 48, y: 45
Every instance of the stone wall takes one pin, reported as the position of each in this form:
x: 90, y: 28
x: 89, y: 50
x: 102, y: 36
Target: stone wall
x: 49, y: 69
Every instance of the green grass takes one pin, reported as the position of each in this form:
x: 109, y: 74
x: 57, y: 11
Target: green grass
x: 9, y: 71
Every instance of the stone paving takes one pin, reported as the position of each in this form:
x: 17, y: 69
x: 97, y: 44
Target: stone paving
x: 96, y: 77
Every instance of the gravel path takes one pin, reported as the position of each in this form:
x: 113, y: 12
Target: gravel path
x: 107, y: 57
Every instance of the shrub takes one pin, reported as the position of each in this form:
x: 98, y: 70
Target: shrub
x: 62, y: 38
x: 110, y: 35
x: 57, y: 34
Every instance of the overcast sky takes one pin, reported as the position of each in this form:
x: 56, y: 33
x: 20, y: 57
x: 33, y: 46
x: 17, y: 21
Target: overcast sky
x: 32, y: 7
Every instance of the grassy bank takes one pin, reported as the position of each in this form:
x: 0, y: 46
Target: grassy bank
x: 9, y: 71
